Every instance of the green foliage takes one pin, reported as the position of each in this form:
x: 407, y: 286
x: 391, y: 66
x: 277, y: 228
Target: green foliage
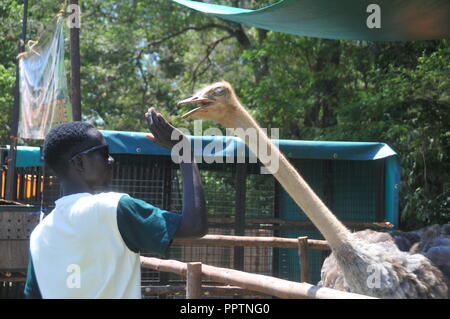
x: 10, y: 12
x: 137, y: 54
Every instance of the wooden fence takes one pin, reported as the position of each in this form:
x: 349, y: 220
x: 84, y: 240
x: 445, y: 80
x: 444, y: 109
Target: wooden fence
x: 240, y: 282
x: 196, y: 272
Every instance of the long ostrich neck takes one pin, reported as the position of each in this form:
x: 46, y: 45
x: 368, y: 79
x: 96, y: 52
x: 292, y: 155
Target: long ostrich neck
x: 331, y: 228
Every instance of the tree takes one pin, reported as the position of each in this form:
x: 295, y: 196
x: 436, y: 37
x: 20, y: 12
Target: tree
x: 10, y: 15
x: 137, y: 54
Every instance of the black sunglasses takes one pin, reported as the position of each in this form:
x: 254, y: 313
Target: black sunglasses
x: 93, y: 149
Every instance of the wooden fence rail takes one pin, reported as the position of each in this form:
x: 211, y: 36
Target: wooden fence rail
x: 250, y: 241
x: 272, y: 223
x: 254, y: 282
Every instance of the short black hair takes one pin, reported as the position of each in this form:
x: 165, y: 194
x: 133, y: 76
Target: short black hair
x: 61, y: 141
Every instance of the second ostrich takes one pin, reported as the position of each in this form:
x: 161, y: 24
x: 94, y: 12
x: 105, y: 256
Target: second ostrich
x: 374, y: 268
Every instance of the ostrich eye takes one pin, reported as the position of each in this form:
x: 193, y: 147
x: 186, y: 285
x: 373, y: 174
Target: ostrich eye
x: 219, y: 91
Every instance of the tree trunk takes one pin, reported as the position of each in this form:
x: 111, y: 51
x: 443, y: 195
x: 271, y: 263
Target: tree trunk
x: 263, y: 61
x: 326, y: 88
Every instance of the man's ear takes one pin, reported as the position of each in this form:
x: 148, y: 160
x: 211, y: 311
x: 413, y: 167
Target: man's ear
x: 77, y: 163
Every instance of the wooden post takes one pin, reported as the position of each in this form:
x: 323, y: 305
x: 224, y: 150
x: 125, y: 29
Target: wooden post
x: 194, y: 280
x: 75, y: 65
x: 303, y: 258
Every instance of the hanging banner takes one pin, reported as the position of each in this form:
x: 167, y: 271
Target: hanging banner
x: 44, y: 100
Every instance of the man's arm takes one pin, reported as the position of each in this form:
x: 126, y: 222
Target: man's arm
x: 194, y: 221
x: 194, y: 214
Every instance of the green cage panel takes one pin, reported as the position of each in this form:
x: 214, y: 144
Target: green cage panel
x: 353, y: 190
x: 358, y: 181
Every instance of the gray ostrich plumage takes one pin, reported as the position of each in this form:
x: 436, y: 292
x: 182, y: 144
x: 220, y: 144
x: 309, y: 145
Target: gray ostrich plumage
x: 433, y: 242
x: 399, y: 264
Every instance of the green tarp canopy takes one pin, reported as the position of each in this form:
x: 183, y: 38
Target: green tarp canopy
x: 370, y: 20
x: 136, y: 143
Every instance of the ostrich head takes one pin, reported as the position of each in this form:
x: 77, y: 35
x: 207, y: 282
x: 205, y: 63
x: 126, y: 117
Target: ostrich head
x: 217, y: 102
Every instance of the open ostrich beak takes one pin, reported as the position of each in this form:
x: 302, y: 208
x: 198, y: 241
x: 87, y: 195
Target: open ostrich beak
x: 200, y: 100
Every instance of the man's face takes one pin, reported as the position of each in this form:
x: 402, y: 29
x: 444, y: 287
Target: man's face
x: 96, y: 163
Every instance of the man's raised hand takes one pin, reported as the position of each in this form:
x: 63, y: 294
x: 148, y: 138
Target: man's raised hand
x: 162, y: 130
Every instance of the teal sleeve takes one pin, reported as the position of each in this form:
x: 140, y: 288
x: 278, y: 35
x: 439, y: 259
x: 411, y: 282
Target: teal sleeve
x: 31, y: 286
x: 145, y: 227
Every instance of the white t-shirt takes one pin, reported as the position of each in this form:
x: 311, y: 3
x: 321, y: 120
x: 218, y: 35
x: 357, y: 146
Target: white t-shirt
x: 88, y: 246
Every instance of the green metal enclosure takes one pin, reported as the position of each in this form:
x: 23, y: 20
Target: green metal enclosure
x: 352, y: 190
x: 357, y: 181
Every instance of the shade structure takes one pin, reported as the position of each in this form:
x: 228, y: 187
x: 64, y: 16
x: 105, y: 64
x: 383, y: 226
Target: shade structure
x: 370, y: 20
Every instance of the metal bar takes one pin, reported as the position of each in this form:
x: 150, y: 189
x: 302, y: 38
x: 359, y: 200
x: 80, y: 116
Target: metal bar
x: 239, y: 225
x: 380, y: 207
x: 12, y: 154
x: 167, y: 184
x: 328, y: 186
x: 276, y: 232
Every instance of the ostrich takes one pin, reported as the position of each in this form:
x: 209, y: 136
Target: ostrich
x: 433, y: 242
x: 371, y: 267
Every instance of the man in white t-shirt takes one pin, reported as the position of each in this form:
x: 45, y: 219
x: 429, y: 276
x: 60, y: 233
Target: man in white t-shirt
x: 88, y: 246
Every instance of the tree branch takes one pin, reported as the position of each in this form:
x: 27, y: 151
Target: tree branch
x: 209, y: 50
x: 144, y: 78
x: 190, y: 28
